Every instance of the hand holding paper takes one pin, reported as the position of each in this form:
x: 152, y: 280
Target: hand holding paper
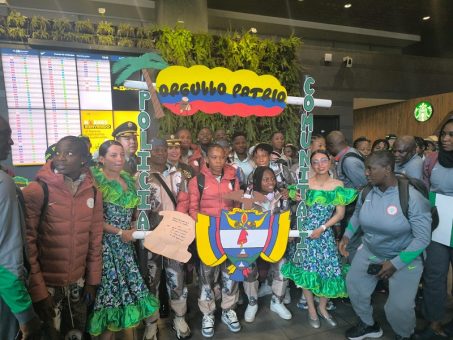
x: 172, y: 236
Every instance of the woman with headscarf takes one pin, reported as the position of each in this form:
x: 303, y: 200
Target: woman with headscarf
x: 438, y: 174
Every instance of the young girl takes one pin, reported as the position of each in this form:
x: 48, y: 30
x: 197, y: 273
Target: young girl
x: 264, y: 182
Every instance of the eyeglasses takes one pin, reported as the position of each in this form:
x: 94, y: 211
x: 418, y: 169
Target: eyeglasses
x: 320, y: 161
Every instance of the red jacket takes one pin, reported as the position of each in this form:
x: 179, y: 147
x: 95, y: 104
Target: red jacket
x: 68, y: 245
x: 211, y: 202
x: 197, y: 161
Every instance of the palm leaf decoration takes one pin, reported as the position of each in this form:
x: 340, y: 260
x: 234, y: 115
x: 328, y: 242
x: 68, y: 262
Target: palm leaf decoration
x: 130, y: 65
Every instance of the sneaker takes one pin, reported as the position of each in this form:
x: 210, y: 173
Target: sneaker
x: 264, y: 290
x: 181, y: 328
x: 280, y: 308
x: 362, y: 331
x: 330, y: 306
x: 151, y: 331
x: 302, y: 304
x: 250, y: 312
x: 287, y: 298
x: 207, y: 326
x: 230, y: 319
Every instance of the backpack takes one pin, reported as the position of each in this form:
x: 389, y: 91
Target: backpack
x: 403, y: 188
x: 348, y: 155
x: 45, y: 201
x: 201, y: 180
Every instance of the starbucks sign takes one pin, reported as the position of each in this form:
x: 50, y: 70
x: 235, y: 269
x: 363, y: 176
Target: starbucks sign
x: 423, y: 111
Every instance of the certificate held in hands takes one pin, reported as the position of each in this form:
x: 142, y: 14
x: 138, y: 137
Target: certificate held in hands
x: 172, y: 236
x: 443, y: 233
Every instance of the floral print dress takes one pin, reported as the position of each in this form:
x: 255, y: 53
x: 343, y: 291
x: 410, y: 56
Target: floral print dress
x: 122, y: 299
x: 320, y: 269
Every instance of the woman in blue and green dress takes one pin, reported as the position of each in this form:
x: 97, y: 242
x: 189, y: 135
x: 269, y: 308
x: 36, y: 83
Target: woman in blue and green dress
x: 122, y: 299
x: 318, y: 271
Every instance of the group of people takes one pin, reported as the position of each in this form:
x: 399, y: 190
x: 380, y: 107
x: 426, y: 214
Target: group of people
x: 69, y: 264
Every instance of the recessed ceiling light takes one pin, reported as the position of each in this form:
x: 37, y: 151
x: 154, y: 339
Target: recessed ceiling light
x: 348, y: 5
x: 426, y: 18
x: 180, y: 21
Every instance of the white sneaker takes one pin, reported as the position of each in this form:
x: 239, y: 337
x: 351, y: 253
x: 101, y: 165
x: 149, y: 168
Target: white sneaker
x: 287, y: 298
x: 230, y: 319
x: 207, y: 326
x: 150, y: 331
x: 264, y: 290
x: 181, y: 328
x: 279, y: 308
x: 250, y: 312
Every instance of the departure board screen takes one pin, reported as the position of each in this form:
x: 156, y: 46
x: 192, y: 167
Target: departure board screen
x: 48, y: 91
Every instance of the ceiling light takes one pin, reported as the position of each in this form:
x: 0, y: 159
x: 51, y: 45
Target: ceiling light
x: 348, y: 5
x: 180, y: 21
x: 426, y: 18
x: 101, y: 10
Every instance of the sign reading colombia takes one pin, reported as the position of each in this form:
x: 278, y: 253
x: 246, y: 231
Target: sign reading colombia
x: 185, y: 91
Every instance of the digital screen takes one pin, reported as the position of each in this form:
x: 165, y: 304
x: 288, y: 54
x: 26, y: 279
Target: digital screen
x: 93, y: 72
x: 59, y: 79
x: 52, y: 94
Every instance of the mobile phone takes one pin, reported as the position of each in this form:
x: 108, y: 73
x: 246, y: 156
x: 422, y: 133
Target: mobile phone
x: 374, y: 268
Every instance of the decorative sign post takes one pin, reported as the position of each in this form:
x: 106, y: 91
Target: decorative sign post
x: 144, y: 122
x: 306, y: 129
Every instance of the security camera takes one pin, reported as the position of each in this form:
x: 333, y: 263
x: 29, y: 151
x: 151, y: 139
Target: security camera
x: 347, y: 61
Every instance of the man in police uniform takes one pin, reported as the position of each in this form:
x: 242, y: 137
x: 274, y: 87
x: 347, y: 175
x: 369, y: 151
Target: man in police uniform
x: 126, y: 134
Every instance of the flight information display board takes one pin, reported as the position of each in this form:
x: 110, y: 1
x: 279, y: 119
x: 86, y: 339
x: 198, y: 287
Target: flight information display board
x: 95, y: 87
x: 59, y: 79
x: 48, y: 91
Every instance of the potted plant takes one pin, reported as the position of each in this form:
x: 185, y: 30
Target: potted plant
x: 125, y: 33
x: 62, y: 30
x: 104, y: 33
x: 145, y: 36
x: 15, y: 26
x: 84, y: 31
x: 39, y: 28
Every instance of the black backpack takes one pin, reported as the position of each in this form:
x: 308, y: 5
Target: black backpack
x: 201, y: 179
x: 403, y: 189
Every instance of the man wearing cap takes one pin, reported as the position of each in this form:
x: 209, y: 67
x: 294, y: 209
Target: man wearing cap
x: 165, y: 182
x: 391, y: 138
x: 126, y: 134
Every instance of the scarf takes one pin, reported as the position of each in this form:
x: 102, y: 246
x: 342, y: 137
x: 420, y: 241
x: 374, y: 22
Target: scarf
x: 445, y: 157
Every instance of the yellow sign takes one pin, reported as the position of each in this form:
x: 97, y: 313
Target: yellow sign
x: 98, y: 126
x: 243, y: 93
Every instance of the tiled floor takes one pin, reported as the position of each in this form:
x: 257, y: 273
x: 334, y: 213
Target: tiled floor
x: 268, y: 325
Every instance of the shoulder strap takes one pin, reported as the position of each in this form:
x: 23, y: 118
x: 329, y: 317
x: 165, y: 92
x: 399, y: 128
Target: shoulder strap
x: 347, y: 155
x: 200, y: 181
x: 365, y: 192
x: 403, y: 189
x: 95, y: 193
x: 166, y: 188
x: 45, y: 202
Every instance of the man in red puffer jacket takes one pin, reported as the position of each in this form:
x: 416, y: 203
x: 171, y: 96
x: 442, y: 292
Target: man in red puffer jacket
x: 64, y: 238
x: 219, y: 178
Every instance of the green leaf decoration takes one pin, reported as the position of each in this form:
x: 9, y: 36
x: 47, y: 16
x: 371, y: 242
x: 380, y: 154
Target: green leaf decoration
x: 130, y: 65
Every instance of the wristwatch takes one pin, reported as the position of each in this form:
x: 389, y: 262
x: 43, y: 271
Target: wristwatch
x: 323, y: 227
x: 120, y: 232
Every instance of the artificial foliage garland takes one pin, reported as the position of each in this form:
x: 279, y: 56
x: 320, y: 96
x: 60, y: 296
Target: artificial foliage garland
x: 112, y: 192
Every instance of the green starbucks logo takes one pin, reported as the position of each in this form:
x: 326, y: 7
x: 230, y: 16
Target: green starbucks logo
x: 423, y: 111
